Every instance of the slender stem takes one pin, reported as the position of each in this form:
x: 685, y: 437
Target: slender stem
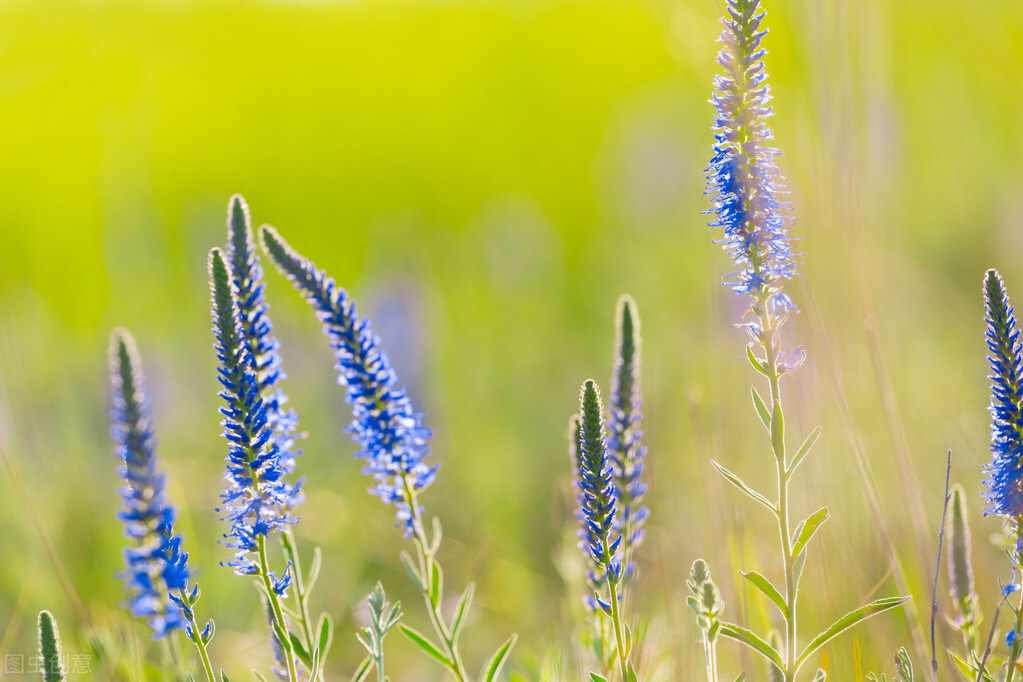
x: 770, y: 332
x: 616, y: 620
x: 379, y: 660
x: 301, y: 595
x: 1017, y: 638
x: 426, y: 561
x: 275, y: 607
x: 197, y: 640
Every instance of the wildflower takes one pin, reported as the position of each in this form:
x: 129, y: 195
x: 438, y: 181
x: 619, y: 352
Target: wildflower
x: 588, y: 537
x: 256, y: 500
x: 1004, y: 493
x: 743, y: 175
x: 625, y: 437
x: 390, y: 432
x: 247, y: 280
x: 155, y: 564
x: 598, y: 498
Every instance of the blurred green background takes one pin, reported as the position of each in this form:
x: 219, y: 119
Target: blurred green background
x: 486, y: 178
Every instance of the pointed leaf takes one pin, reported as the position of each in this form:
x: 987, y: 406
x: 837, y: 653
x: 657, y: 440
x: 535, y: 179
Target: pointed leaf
x: 738, y: 483
x: 630, y: 672
x: 314, y: 570
x: 821, y: 676
x: 438, y: 533
x: 426, y: 645
x: 755, y: 361
x: 741, y: 677
x: 969, y: 669
x: 762, y: 411
x: 740, y: 634
x: 300, y: 650
x: 412, y: 570
x: 362, y: 672
x: 436, y: 584
x: 326, y: 635
x: 497, y: 661
x: 778, y: 432
x: 808, y: 529
x: 847, y: 621
x: 464, y: 603
x: 314, y: 671
x: 804, y: 449
x: 768, y: 590
x: 597, y: 678
x: 258, y: 675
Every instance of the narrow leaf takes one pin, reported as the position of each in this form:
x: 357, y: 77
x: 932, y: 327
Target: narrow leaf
x: 300, y: 650
x: 847, y: 621
x: 768, y: 590
x: 804, y: 449
x: 326, y: 635
x: 755, y: 361
x: 597, y: 678
x: 741, y: 677
x: 426, y: 645
x: 778, y: 432
x: 362, y: 672
x: 223, y: 676
x: 740, y: 634
x: 738, y: 483
x: 765, y: 414
x: 412, y: 570
x: 462, y: 610
x: 810, y: 526
x: 314, y: 570
x: 630, y: 672
x: 969, y: 669
x: 497, y: 661
x: 436, y: 584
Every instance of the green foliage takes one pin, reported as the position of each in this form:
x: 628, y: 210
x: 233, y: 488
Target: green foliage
x: 50, y: 660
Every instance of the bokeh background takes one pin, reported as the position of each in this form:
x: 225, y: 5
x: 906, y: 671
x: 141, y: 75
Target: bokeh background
x: 486, y: 177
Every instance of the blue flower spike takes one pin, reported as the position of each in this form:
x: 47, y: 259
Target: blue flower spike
x: 157, y: 567
x: 625, y: 437
x: 599, y: 508
x: 257, y: 501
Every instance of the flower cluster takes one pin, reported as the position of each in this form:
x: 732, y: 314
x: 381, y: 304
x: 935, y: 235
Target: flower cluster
x: 257, y: 500
x: 155, y: 564
x: 393, y: 440
x: 743, y: 175
x: 588, y: 534
x: 1004, y: 493
x: 598, y: 492
x: 625, y: 432
x: 247, y: 279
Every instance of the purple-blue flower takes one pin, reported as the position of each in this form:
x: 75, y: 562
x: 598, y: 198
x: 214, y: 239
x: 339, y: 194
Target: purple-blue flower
x: 625, y: 431
x: 600, y: 538
x: 253, y: 311
x: 389, y: 431
x: 1004, y: 484
x: 743, y: 176
x: 155, y: 563
x: 257, y: 500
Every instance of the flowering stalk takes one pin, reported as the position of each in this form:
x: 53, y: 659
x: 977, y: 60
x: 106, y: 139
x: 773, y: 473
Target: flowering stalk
x: 257, y: 500
x: 625, y: 433
x: 1004, y: 484
x: 960, y: 570
x: 157, y: 568
x: 257, y: 332
x: 599, y: 508
x: 746, y: 185
x: 705, y: 601
x: 390, y: 433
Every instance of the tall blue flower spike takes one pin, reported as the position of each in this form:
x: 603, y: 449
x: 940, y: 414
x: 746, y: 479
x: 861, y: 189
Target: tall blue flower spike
x: 625, y: 432
x: 155, y: 563
x: 743, y: 176
x: 596, y: 575
x: 257, y: 500
x: 390, y: 432
x: 1004, y: 493
x: 253, y: 311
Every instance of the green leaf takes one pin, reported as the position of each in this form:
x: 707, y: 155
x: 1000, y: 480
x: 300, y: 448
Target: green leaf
x: 426, y: 645
x: 412, y: 570
x: 847, y: 621
x: 740, y: 634
x: 797, y: 568
x: 804, y: 448
x: 741, y: 677
x: 597, y: 678
x: 438, y: 533
x: 630, y: 672
x: 821, y: 676
x: 258, y: 675
x: 223, y: 676
x: 738, y: 483
x: 778, y: 432
x: 300, y: 650
x: 808, y: 529
x: 314, y: 670
x: 49, y: 648
x: 464, y: 603
x: 497, y: 661
x: 362, y: 672
x: 969, y: 669
x: 326, y: 635
x: 436, y: 584
x: 188, y: 676
x: 768, y: 590
x: 765, y: 414
x: 314, y: 570
x: 757, y: 364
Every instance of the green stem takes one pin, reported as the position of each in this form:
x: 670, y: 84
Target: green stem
x: 275, y: 607
x: 197, y: 640
x: 710, y: 653
x: 770, y: 331
x: 301, y: 595
x: 1017, y: 644
x: 616, y: 616
x: 426, y: 561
